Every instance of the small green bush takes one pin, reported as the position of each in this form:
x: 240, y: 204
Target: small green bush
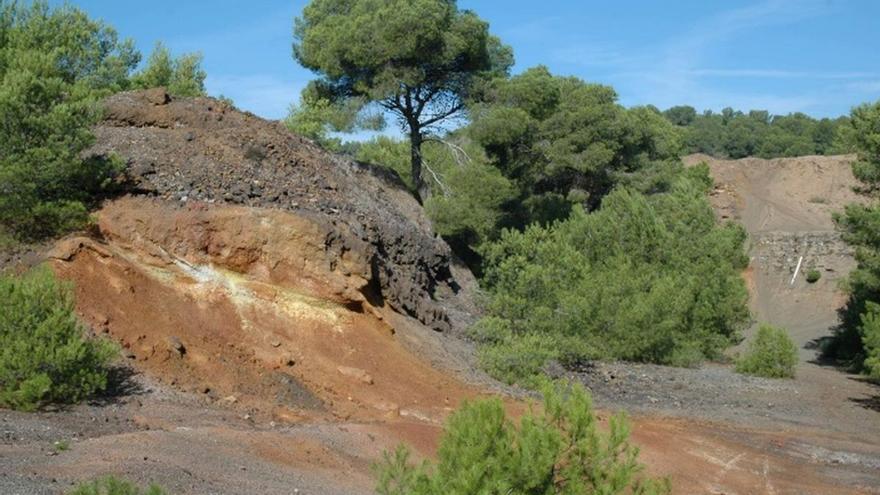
x: 772, y: 354
x: 114, y: 486
x: 557, y: 450
x: 870, y: 333
x: 813, y: 276
x: 519, y: 360
x: 44, y: 356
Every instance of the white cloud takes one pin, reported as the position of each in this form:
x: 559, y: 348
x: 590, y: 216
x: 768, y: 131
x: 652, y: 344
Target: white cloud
x: 682, y: 57
x: 676, y: 71
x: 777, y: 74
x: 864, y: 86
x: 593, y: 55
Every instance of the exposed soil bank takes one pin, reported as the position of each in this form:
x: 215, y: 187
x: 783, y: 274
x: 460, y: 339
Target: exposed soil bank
x: 278, y: 306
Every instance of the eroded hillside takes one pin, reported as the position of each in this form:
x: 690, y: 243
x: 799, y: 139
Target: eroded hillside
x: 787, y: 207
x: 280, y: 309
x: 201, y: 151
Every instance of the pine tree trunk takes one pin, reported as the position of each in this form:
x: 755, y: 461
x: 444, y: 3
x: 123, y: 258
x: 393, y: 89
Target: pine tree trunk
x: 420, y: 187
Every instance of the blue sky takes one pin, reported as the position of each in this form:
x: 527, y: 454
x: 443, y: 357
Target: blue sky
x: 814, y: 56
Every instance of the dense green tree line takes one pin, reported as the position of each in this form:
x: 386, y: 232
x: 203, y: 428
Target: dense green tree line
x: 55, y: 66
x: 645, y: 277
x: 592, y: 238
x: 857, y: 341
x: 735, y: 134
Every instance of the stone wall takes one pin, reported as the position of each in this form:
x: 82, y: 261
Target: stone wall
x: 780, y: 251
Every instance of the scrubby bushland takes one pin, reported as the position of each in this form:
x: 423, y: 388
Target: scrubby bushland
x: 468, y: 195
x: 813, y: 276
x: 557, y: 449
x: 44, y: 355
x: 538, y: 145
x: 114, y: 486
x: 643, y: 278
x: 857, y: 341
x: 181, y: 76
x: 55, y: 66
x: 772, y: 354
x: 736, y: 134
x: 565, y: 142
x: 610, y: 248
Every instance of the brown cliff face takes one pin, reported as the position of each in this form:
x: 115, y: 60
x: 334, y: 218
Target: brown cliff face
x: 200, y: 150
x: 787, y: 205
x: 249, y: 306
x: 248, y: 264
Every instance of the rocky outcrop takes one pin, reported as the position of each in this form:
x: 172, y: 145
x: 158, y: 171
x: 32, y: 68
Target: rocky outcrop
x: 203, y: 152
x: 248, y: 307
x: 781, y: 251
x: 248, y: 265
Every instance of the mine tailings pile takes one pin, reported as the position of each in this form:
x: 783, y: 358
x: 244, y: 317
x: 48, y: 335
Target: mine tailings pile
x: 304, y: 299
x: 248, y: 264
x: 787, y: 206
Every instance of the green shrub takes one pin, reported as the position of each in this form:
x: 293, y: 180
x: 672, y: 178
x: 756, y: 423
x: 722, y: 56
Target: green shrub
x: 55, y: 64
x: 557, y: 450
x: 114, y: 486
x: 772, y: 354
x: 870, y: 334
x: 856, y: 341
x: 813, y: 276
x: 518, y: 360
x: 644, y: 278
x: 44, y: 356
x: 181, y: 76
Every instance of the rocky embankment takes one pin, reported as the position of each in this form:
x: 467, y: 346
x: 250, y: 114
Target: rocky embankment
x: 200, y: 150
x: 246, y: 264
x: 277, y: 308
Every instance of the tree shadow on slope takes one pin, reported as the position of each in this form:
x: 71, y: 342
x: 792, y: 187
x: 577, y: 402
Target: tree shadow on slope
x: 825, y: 359
x: 871, y: 401
x: 121, y: 383
x: 819, y: 345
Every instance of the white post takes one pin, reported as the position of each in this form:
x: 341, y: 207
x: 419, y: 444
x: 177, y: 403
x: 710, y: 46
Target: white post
x: 796, y: 270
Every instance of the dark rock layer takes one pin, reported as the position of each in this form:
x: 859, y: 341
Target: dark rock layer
x: 204, y: 150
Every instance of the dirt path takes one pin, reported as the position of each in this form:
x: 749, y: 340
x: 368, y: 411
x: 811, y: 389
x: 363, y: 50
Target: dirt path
x: 192, y: 445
